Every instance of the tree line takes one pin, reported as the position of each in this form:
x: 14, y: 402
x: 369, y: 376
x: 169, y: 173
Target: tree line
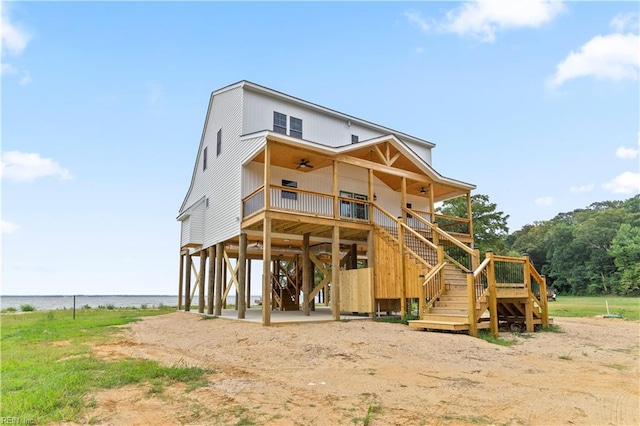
x: 589, y: 251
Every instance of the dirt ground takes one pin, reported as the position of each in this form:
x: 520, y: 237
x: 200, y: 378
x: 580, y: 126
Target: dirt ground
x: 371, y: 373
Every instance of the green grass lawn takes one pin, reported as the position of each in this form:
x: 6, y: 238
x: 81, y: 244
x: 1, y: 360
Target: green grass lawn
x: 581, y: 306
x: 48, y: 370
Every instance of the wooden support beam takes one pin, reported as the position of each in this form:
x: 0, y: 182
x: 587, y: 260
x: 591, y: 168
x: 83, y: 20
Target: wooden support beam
x: 187, y: 284
x: 529, y: 303
x: 180, y: 281
x: 432, y: 203
x: 195, y: 285
x: 493, y: 294
x: 403, y: 279
x: 248, y: 284
x: 242, y: 276
x: 266, y: 268
x: 306, y: 276
x: 218, y: 283
x: 336, y: 202
x: 210, y: 282
x: 471, y: 298
x: 371, y: 263
x: 201, y: 278
x: 335, y: 273
x: 470, y: 217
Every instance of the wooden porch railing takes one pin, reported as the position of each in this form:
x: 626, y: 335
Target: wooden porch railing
x: 504, y: 272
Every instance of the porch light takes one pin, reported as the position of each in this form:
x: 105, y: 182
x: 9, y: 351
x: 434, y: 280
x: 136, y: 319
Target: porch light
x: 423, y: 191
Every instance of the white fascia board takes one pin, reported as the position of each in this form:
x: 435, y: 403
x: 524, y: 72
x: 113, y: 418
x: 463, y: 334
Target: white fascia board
x: 187, y: 212
x: 325, y: 110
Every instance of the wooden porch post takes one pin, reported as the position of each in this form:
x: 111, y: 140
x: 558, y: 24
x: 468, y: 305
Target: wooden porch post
x: 187, y: 284
x: 336, y: 202
x: 306, y: 275
x: 210, y: 282
x: 266, y: 271
x: 371, y: 264
x: 403, y: 284
x: 528, y: 307
x: 203, y: 269
x: 218, y: 295
x: 372, y: 195
x: 432, y: 203
x: 493, y: 294
x: 471, y: 297
x: 242, y: 276
x: 180, y: 281
x: 335, y: 273
x: 248, y: 283
x: 470, y: 217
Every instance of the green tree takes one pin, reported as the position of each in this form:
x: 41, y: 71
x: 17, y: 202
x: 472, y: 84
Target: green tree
x: 625, y: 250
x: 489, y: 225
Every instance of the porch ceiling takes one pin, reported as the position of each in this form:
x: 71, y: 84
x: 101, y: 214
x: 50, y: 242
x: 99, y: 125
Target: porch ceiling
x: 383, y: 154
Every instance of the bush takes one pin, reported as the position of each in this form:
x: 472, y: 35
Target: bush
x: 27, y: 308
x: 10, y: 309
x: 111, y: 306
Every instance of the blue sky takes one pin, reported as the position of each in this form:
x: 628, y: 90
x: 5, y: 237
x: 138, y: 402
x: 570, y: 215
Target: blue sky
x: 103, y: 106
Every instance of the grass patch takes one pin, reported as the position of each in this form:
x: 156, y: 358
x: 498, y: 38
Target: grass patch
x: 618, y: 367
x: 27, y: 308
x: 582, y: 306
x: 48, y: 369
x: 398, y: 320
x: 487, y: 336
x: 566, y: 357
x: 551, y: 328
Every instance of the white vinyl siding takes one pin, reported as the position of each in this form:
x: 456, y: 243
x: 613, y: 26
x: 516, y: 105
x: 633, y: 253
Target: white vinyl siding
x: 184, y: 231
x: 321, y: 128
x: 192, y: 226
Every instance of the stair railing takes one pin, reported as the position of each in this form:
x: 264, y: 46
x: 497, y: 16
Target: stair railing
x: 440, y: 236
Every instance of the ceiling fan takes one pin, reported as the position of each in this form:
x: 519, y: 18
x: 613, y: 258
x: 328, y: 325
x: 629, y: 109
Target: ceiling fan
x: 303, y: 164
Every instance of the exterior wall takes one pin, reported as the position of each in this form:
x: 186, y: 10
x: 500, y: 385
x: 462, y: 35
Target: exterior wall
x: 316, y: 127
x: 185, y: 231
x: 221, y: 181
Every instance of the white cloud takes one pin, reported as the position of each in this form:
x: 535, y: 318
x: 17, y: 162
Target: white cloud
x: 626, y: 153
x: 625, y: 22
x: 419, y: 49
x: 613, y: 56
x: 26, y: 167
x: 14, y: 37
x: 8, y: 69
x: 582, y: 188
x: 417, y: 19
x: 8, y: 227
x: 626, y: 183
x: 544, y: 201
x: 484, y: 18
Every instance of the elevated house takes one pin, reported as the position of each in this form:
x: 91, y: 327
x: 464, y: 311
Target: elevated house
x: 340, y: 210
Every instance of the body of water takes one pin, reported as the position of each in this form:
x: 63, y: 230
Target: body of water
x: 119, y: 301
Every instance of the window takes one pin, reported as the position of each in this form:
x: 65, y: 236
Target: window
x: 206, y: 202
x: 279, y: 123
x: 204, y: 159
x: 219, y: 142
x: 354, y: 139
x: 288, y: 195
x: 409, y: 206
x: 354, y: 209
x: 295, y: 129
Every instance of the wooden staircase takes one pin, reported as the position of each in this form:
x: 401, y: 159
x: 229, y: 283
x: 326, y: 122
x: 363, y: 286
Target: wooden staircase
x: 450, y: 310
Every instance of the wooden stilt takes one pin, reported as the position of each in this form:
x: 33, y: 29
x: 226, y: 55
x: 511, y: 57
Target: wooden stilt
x: 402, y: 278
x: 335, y: 273
x: 210, y: 281
x: 266, y: 271
x: 306, y: 277
x: 187, y: 284
x: 248, y: 283
x: 225, y: 283
x: 180, y: 281
x: 242, y: 276
x: 203, y: 272
x: 218, y: 284
x: 371, y: 264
